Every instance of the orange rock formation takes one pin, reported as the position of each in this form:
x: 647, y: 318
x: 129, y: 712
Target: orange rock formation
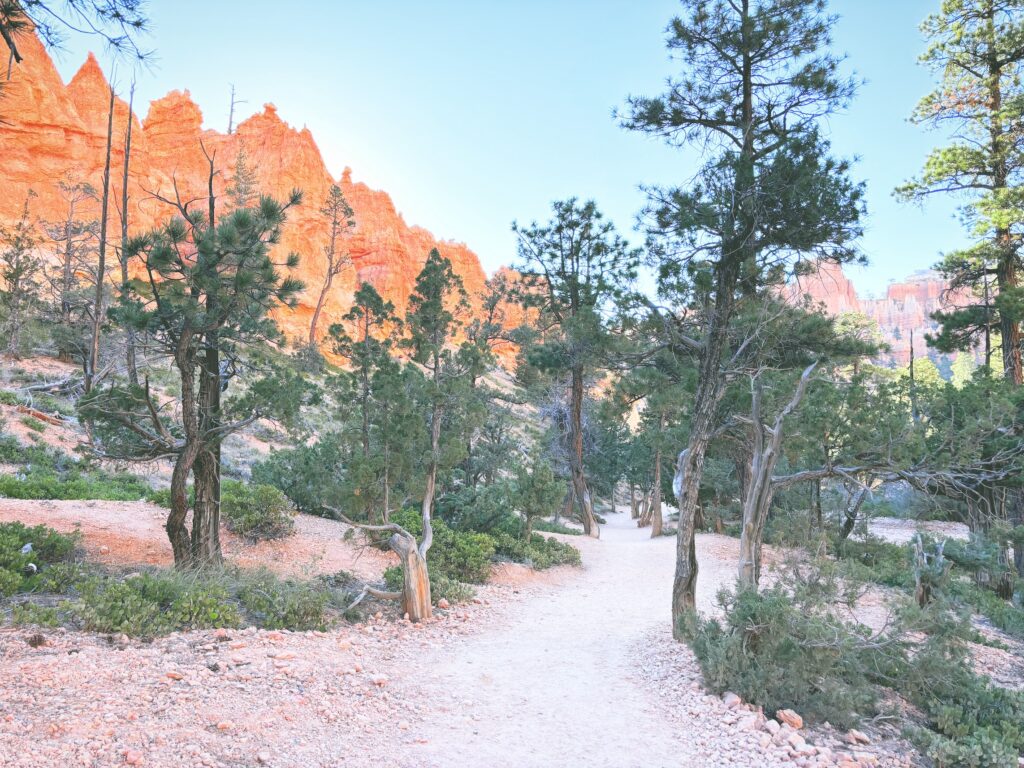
x: 52, y: 131
x: 907, y: 306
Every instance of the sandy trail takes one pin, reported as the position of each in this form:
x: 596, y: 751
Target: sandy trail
x: 555, y: 680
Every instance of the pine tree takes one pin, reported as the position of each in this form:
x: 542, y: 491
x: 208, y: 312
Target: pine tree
x: 20, y: 270
x: 574, y: 268
x: 243, y: 189
x: 340, y: 220
x: 756, y: 79
x: 977, y: 48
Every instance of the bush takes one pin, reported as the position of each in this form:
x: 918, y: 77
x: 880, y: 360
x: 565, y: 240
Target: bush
x: 309, y: 475
x: 151, y: 604
x: 781, y: 652
x: 284, y: 604
x: 538, y: 552
x: 49, y: 550
x: 9, y: 398
x: 455, y: 554
x: 256, y: 512
x: 441, y: 587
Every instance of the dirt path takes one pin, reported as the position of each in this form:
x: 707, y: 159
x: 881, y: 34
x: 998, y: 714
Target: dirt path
x: 559, y: 678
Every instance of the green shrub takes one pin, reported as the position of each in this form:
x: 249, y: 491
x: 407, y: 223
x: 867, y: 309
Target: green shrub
x: 38, y: 615
x: 538, y: 552
x: 458, y: 555
x: 49, y: 550
x: 781, y: 652
x: 546, y: 526
x: 872, y: 559
x: 151, y: 604
x: 47, y: 485
x: 256, y: 512
x: 9, y: 398
x: 309, y: 475
x: 441, y: 587
x: 34, y: 424
x: 284, y: 604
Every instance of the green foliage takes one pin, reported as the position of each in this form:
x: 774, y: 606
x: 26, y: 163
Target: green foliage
x: 9, y: 398
x: 309, y: 475
x: 256, y: 512
x: 441, y: 586
x: 459, y: 555
x: 34, y: 424
x: 151, y: 604
x: 49, y: 551
x: 284, y: 604
x: 782, y: 650
x: 872, y: 559
x: 538, y: 552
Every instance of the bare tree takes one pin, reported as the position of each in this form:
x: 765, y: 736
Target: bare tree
x: 92, y: 361
x: 133, y: 373
x: 340, y: 219
x: 20, y: 267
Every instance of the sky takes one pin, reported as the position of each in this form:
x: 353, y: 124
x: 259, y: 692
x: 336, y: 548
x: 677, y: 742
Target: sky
x: 475, y: 113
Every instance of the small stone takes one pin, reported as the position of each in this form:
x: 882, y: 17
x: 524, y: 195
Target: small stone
x: 225, y: 725
x: 104, y: 549
x: 403, y: 725
x: 174, y: 675
x: 790, y: 718
x: 443, y: 604
x: 772, y: 726
x: 379, y: 680
x: 220, y: 634
x: 263, y: 757
x: 731, y: 700
x: 133, y: 757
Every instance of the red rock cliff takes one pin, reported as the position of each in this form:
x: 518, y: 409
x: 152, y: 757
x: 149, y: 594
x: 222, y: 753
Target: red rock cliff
x: 52, y: 131
x: 907, y: 306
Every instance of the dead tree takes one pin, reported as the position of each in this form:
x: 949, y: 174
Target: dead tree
x: 92, y: 361
x: 133, y: 373
x: 760, y: 490
x: 415, y: 593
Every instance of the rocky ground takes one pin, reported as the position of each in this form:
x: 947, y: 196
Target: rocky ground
x: 568, y: 667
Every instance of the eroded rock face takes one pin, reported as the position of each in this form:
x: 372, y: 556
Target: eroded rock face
x: 53, y: 132
x: 907, y: 305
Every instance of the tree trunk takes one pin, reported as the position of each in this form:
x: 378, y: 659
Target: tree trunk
x: 415, y: 578
x: 657, y: 521
x: 320, y: 305
x: 765, y: 455
x: 177, y: 530
x: 101, y: 265
x: 655, y: 514
x: 133, y: 373
x: 634, y: 510
x: 579, y: 480
x: 66, y: 282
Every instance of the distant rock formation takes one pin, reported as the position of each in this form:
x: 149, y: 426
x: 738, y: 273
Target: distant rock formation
x: 907, y: 306
x: 50, y: 131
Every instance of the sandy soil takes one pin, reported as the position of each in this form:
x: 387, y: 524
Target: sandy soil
x: 131, y: 533
x: 572, y: 667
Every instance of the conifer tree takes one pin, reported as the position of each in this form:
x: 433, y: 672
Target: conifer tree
x: 574, y: 269
x: 340, y: 220
x: 20, y: 270
x: 756, y: 77
x: 977, y: 49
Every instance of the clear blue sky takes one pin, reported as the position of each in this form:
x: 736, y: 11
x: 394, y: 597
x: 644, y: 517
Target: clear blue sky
x: 472, y: 113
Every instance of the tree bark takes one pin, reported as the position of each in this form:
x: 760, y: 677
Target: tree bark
x: 758, y: 501
x: 328, y: 280
x: 133, y: 373
x: 101, y: 265
x: 657, y: 521
x: 579, y: 480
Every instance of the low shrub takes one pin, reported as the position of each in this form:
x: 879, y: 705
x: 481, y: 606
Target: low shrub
x: 9, y: 398
x: 22, y: 571
x: 784, y: 647
x: 780, y: 652
x: 34, y: 424
x: 455, y: 554
x: 538, y: 552
x: 284, y: 604
x: 256, y: 512
x: 547, y: 526
x: 151, y: 604
x: 309, y: 475
x: 441, y: 587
